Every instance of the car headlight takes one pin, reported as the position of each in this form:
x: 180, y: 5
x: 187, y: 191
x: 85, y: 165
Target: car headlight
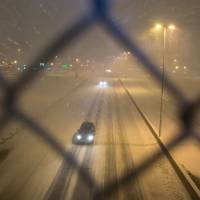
x: 101, y: 83
x: 90, y: 137
x: 104, y: 83
x: 79, y: 137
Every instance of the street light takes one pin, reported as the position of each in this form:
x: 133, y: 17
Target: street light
x: 176, y: 67
x: 158, y: 27
x: 163, y: 28
x: 77, y: 63
x: 15, y: 61
x: 171, y: 27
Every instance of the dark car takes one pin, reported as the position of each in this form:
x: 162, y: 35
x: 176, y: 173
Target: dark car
x: 85, y: 134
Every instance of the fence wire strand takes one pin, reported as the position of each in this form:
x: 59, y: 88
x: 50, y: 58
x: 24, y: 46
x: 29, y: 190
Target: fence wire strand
x: 100, y: 13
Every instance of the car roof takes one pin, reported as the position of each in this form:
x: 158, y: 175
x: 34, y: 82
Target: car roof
x: 87, y: 125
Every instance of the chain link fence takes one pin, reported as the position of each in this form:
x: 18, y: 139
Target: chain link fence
x: 99, y: 14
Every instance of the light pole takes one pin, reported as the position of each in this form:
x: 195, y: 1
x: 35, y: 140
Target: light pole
x: 77, y: 62
x: 163, y: 28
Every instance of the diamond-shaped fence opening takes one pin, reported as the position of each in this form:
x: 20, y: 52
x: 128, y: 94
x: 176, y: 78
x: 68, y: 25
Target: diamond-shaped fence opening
x: 100, y: 14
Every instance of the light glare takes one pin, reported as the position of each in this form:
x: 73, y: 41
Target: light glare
x: 108, y: 70
x: 171, y: 27
x: 90, y: 137
x: 158, y: 26
x: 79, y: 137
x: 103, y: 84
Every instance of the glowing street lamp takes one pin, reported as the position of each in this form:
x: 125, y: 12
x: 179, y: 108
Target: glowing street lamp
x: 15, y: 61
x: 158, y: 26
x: 171, y: 27
x: 77, y: 63
x: 176, y: 67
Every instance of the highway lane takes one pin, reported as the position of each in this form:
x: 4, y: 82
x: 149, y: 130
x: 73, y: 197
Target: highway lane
x: 187, y: 151
x: 29, y: 155
x: 123, y: 141
x: 42, y: 95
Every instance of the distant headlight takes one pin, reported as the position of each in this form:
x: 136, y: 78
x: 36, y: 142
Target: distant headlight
x: 103, y: 84
x: 108, y: 70
x: 79, y: 137
x: 90, y: 137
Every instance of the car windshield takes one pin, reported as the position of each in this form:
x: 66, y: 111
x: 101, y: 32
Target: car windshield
x: 87, y: 126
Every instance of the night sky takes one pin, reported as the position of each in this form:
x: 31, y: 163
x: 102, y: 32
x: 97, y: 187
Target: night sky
x: 26, y: 26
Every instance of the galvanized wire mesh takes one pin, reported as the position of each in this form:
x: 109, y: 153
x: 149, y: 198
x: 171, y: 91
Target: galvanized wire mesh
x: 99, y: 14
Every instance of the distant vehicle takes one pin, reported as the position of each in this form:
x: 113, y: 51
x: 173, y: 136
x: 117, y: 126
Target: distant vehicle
x: 84, y: 135
x: 103, y: 84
